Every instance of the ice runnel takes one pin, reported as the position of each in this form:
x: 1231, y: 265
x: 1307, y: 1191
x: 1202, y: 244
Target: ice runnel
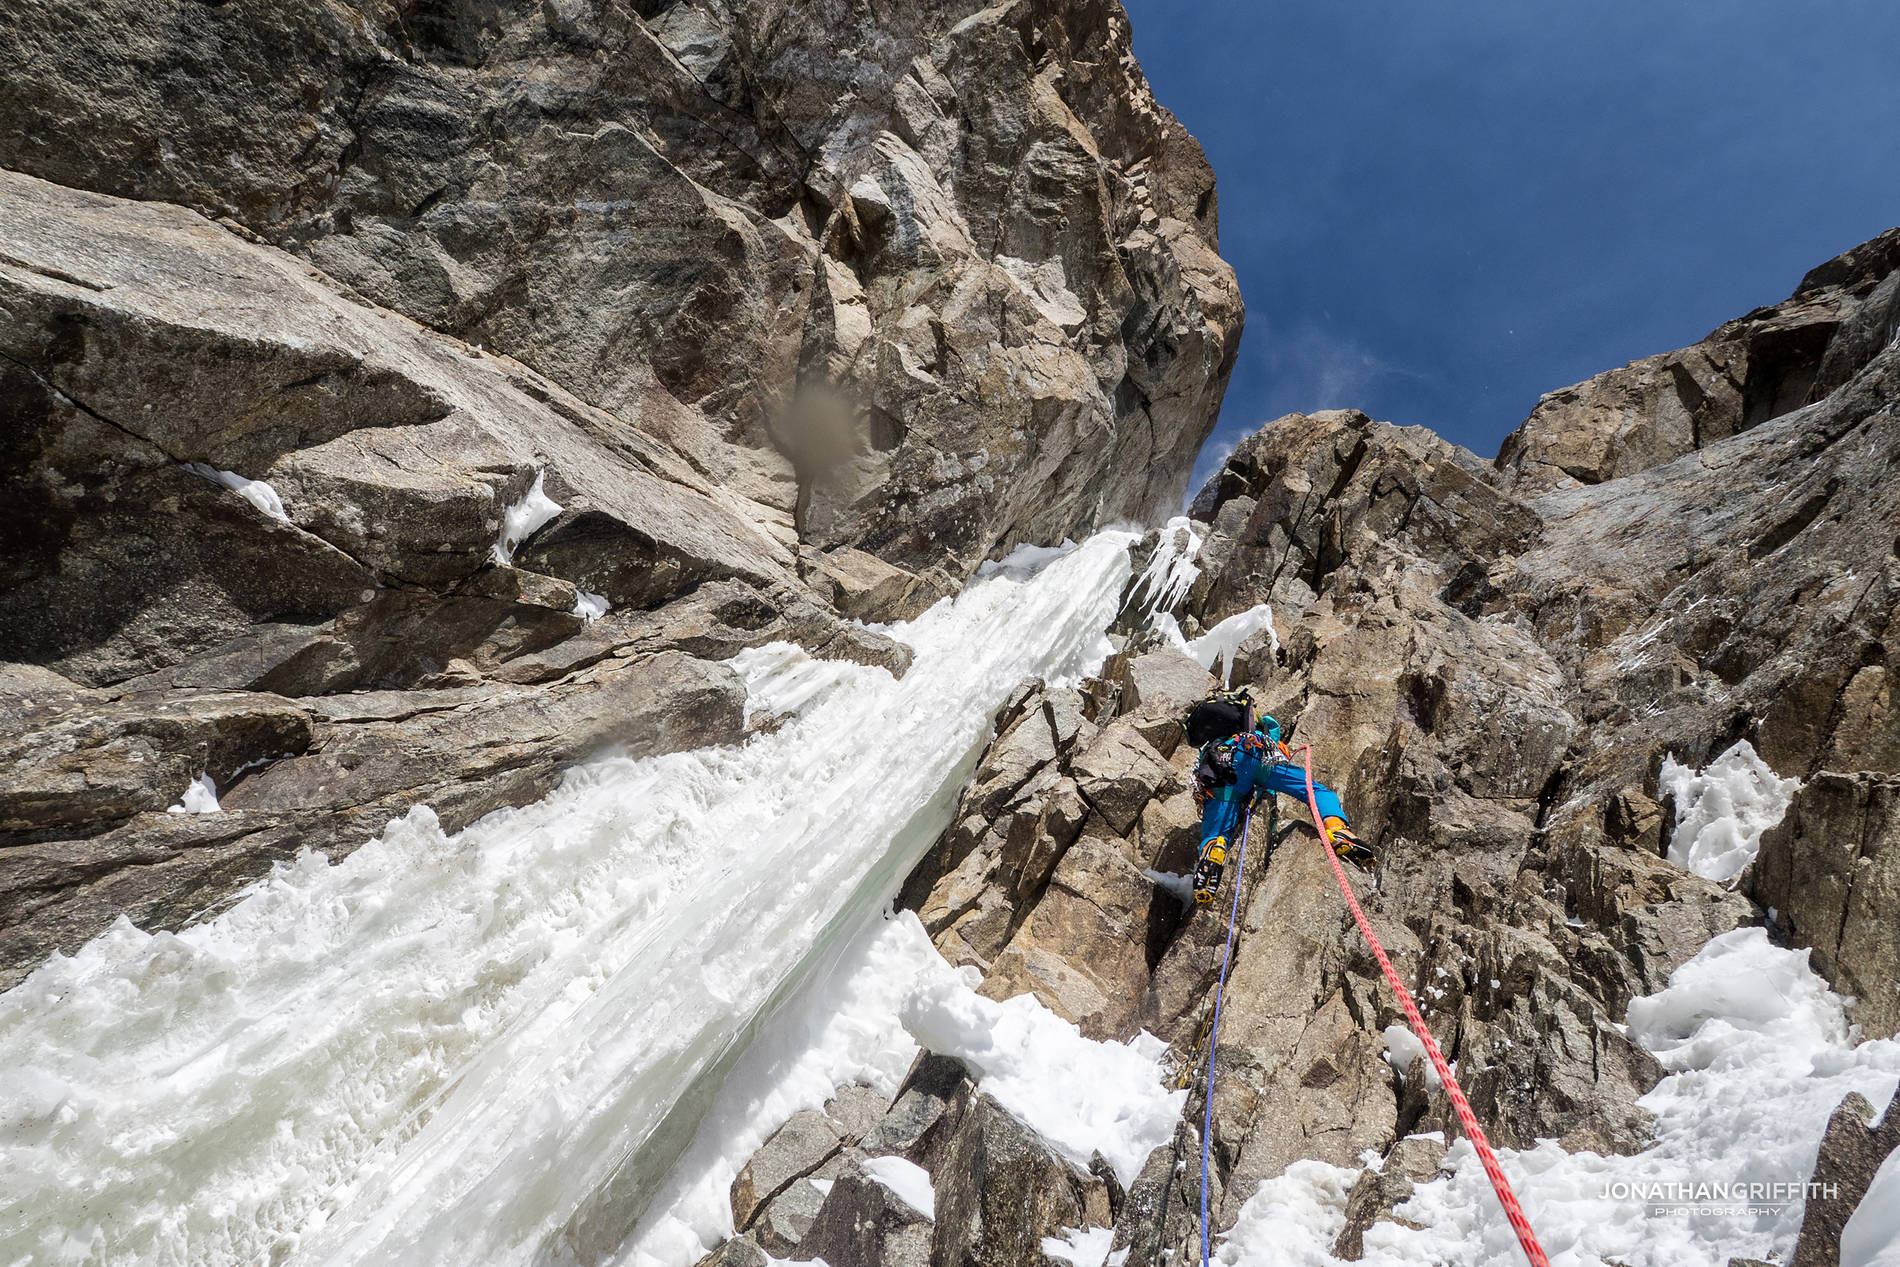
x: 481, y: 1048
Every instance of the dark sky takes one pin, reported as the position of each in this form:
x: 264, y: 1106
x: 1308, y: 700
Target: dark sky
x: 1442, y: 209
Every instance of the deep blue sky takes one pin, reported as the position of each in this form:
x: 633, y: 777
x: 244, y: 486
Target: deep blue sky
x: 1442, y: 209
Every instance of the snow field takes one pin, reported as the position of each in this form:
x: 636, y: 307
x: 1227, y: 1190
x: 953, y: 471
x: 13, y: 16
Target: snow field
x: 492, y: 1047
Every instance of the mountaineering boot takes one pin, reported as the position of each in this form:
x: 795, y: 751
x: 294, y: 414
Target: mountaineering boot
x: 1207, y: 870
x: 1349, y: 846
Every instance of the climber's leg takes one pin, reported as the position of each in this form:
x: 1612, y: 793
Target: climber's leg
x: 1290, y: 779
x: 1220, y: 820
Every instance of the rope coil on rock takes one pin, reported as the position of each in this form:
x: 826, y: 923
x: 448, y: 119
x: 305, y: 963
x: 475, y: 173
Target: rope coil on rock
x: 1466, y: 1118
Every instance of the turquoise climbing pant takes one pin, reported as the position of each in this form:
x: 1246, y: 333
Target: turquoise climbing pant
x: 1258, y: 770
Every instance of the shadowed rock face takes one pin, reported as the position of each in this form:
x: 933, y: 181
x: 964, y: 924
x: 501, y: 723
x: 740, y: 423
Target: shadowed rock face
x: 1491, y: 665
x: 787, y: 315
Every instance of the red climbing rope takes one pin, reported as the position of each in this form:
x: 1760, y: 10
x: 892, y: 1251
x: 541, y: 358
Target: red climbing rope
x: 1466, y: 1118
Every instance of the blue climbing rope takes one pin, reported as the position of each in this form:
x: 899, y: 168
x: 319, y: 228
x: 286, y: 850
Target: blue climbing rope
x: 1213, y: 1033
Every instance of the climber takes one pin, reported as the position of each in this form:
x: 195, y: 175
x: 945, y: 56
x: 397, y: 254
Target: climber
x: 1241, y: 758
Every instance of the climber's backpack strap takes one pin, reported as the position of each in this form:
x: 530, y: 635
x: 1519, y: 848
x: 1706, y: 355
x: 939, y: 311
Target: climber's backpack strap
x: 1218, y: 716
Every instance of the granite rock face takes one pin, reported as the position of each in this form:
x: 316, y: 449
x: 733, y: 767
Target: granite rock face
x: 1746, y: 372
x: 1493, y: 679
x: 1830, y: 870
x: 140, y: 339
x: 1491, y: 664
x: 1851, y: 1154
x: 924, y: 279
x: 402, y: 402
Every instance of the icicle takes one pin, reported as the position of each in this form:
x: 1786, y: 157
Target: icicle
x: 1171, y: 572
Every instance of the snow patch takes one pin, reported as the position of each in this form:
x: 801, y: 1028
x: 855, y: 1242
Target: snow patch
x: 1722, y: 811
x: 1079, y: 1094
x: 1759, y: 1053
x: 1083, y: 1246
x: 590, y: 607
x: 256, y: 492
x: 1402, y: 1047
x: 1872, y: 1236
x: 523, y: 519
x: 908, y: 1180
x: 200, y: 798
x: 1223, y: 640
x: 1293, y: 1220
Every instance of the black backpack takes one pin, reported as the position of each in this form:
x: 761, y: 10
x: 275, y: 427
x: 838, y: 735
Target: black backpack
x: 1218, y: 716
